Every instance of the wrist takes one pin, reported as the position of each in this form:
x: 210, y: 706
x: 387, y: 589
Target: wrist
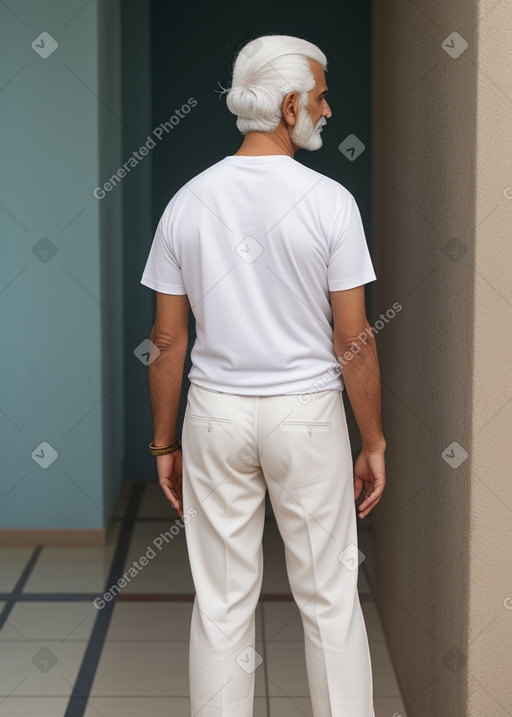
x: 159, y: 441
x: 164, y: 449
x: 374, y: 446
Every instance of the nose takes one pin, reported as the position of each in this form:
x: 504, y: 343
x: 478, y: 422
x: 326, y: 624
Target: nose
x: 327, y: 114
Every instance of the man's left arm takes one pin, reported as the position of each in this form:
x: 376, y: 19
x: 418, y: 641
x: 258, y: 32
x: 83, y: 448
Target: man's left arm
x: 170, y: 335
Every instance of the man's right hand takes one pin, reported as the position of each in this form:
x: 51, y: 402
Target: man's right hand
x: 370, y: 473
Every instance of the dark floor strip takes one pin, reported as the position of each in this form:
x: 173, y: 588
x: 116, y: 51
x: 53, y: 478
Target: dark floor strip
x: 10, y: 598
x: 265, y: 658
x: 83, y: 683
x: 189, y: 597
x: 48, y: 597
x: 132, y: 597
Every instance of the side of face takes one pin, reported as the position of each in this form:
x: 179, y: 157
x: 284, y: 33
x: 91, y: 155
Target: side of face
x: 304, y: 124
x: 317, y: 104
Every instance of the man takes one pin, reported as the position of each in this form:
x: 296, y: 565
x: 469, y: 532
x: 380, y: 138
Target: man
x: 272, y: 258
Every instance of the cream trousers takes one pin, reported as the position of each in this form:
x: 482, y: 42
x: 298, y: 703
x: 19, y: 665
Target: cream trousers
x: 234, y: 448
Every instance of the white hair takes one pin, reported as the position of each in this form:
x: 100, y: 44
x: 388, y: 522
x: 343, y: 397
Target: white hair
x: 266, y: 69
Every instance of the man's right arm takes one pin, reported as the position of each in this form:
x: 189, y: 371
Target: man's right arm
x: 356, y: 352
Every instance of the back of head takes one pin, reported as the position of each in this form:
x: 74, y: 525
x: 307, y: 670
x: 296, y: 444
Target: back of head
x: 266, y: 69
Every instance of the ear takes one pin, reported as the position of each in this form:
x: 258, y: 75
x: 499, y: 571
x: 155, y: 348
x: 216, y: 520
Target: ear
x: 290, y: 108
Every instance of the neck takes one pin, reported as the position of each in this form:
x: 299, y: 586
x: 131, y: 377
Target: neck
x: 260, y: 143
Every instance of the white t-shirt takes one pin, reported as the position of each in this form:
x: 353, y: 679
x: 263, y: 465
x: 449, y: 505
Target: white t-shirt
x: 257, y: 243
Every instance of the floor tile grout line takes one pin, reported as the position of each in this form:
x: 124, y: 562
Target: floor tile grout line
x: 47, y: 597
x: 10, y: 598
x: 141, y: 597
x: 184, y: 640
x: 264, y: 650
x: 83, y: 683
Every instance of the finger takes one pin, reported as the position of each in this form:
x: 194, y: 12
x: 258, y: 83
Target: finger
x: 171, y: 498
x: 367, y: 500
x: 370, y: 496
x: 366, y: 496
x: 363, y: 513
x: 178, y: 499
x: 367, y: 503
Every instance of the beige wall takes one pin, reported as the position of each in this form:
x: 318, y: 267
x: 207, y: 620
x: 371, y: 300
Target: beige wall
x: 442, y: 536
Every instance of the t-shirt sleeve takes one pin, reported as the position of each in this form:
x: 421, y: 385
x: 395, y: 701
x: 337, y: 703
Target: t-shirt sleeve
x: 349, y: 262
x: 162, y: 271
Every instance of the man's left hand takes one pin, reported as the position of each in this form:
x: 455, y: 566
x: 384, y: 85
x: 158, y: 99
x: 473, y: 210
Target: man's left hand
x: 169, y: 467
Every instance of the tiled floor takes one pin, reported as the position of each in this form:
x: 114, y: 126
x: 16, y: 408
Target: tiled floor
x: 61, y: 657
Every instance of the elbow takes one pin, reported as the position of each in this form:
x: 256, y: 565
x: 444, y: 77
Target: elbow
x: 348, y: 347
x: 355, y: 343
x: 166, y: 342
